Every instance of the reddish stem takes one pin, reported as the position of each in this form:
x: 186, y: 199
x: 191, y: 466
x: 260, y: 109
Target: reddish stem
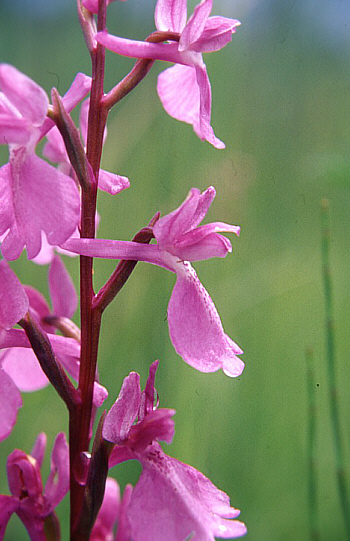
x: 80, y: 418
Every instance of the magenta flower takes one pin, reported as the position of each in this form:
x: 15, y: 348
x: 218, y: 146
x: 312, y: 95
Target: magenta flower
x: 171, y: 500
x: 184, y: 89
x: 14, y: 302
x: 194, y: 324
x: 20, y: 370
x: 55, y: 151
x: 34, y: 196
x: 29, y: 500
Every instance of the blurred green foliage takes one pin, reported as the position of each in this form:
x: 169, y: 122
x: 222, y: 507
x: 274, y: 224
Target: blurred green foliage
x: 280, y: 102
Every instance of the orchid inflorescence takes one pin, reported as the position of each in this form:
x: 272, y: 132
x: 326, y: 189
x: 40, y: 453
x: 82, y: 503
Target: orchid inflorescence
x: 50, y: 210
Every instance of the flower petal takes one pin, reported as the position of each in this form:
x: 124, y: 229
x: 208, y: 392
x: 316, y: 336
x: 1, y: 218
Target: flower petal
x: 195, y: 25
x: 124, y: 411
x: 14, y: 130
x: 24, y: 369
x: 178, y: 91
x: 62, y: 290
x: 171, y: 15
x: 216, y: 34
x: 10, y: 402
x: 204, y: 129
x: 57, y: 484
x: 44, y: 200
x: 186, y: 502
x: 148, y: 394
x: 28, y: 97
x: 14, y: 302
x: 8, y: 506
x: 111, y: 183
x: 39, y: 448
x: 172, y: 226
x: 204, y: 242
x: 195, y: 327
x: 78, y: 90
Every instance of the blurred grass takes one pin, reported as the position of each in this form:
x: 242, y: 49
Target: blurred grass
x: 280, y: 102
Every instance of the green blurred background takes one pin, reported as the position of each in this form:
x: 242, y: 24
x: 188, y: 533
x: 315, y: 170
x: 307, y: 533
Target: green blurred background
x: 281, y: 104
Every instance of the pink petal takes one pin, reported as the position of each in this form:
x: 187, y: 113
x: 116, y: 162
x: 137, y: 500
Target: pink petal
x: 204, y: 242
x: 124, y: 411
x: 186, y: 502
x: 39, y: 307
x: 78, y: 90
x: 148, y: 395
x: 111, y: 183
x: 28, y: 97
x: 204, y: 129
x: 211, y: 245
x: 120, y: 454
x: 24, y: 369
x: 172, y: 226
x: 10, y: 402
x: 124, y: 528
x: 195, y: 327
x: 171, y: 15
x: 23, y: 474
x: 46, y: 253
x: 178, y: 91
x: 195, y: 25
x: 8, y: 506
x: 14, y: 130
x: 14, y: 302
x: 57, y: 484
x: 54, y: 149
x: 6, y: 205
x: 39, y: 448
x: 204, y: 202
x: 62, y: 290
x: 157, y: 425
x: 44, y: 200
x: 216, y: 34
x: 100, y: 394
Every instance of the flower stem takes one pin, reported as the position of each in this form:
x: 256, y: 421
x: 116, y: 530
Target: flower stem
x: 80, y: 418
x: 314, y: 531
x: 330, y: 342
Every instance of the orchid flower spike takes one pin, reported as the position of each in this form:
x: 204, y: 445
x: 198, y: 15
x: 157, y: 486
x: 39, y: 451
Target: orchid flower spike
x: 171, y: 500
x: 35, y: 197
x: 195, y: 327
x: 33, y: 504
x: 183, y: 89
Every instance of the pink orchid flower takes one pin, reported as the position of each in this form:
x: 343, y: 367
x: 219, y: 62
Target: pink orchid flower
x: 14, y: 302
x: 183, y: 89
x: 29, y: 500
x: 20, y: 370
x: 171, y: 500
x: 195, y: 327
x: 113, y: 513
x: 55, y: 151
x: 34, y: 196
